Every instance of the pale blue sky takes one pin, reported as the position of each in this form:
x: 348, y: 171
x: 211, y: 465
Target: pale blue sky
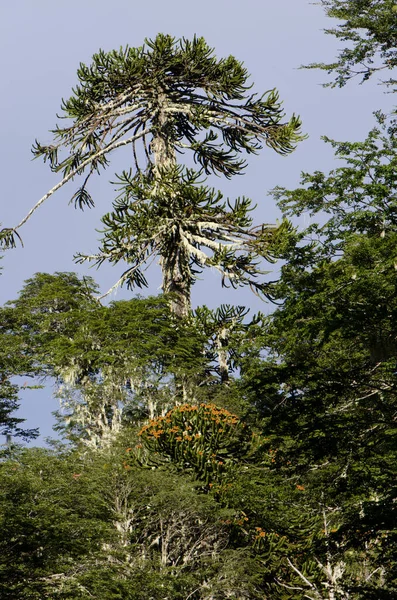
x: 41, y: 45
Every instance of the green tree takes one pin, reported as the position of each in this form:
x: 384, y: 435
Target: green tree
x: 369, y: 30
x: 90, y: 525
x: 326, y: 382
x: 53, y: 520
x: 110, y: 363
x: 204, y: 439
x: 173, y: 96
x: 12, y: 365
x: 224, y: 328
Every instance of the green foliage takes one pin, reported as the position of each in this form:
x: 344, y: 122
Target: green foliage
x: 86, y: 526
x: 369, y: 30
x: 10, y: 425
x: 110, y: 362
x: 64, y: 321
x: 189, y: 226
x: 326, y: 383
x: 278, y: 483
x: 359, y: 197
x: 51, y: 517
x: 12, y: 364
x: 227, y: 333
x: 170, y: 96
x: 203, y: 438
x: 204, y: 93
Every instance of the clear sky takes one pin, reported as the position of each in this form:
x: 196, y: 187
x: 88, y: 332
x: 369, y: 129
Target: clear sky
x: 41, y: 46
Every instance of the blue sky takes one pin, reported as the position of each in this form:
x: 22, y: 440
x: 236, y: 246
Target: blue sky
x: 41, y: 46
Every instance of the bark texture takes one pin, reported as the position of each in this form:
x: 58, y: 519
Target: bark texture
x: 174, y: 260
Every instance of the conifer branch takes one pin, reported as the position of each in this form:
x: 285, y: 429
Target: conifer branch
x: 70, y: 175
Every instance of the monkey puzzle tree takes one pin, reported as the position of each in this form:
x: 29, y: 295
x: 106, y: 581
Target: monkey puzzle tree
x: 167, y: 97
x: 225, y: 330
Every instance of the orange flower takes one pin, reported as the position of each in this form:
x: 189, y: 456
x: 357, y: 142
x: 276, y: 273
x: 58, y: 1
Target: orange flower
x: 157, y: 433
x: 300, y: 487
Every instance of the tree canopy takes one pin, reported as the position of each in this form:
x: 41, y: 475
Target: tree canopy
x: 164, y: 99
x: 210, y: 454
x: 368, y: 28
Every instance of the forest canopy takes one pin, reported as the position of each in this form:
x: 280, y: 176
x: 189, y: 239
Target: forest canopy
x: 207, y: 454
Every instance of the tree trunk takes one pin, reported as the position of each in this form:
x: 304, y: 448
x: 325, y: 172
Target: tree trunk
x: 174, y: 260
x: 175, y: 280
x: 221, y: 343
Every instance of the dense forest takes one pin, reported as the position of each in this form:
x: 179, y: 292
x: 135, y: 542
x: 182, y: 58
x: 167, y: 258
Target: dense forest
x: 210, y: 454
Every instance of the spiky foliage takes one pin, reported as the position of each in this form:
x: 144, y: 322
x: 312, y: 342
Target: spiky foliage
x: 167, y: 97
x: 368, y: 29
x: 225, y: 331
x: 170, y: 88
x: 203, y: 438
x: 190, y: 227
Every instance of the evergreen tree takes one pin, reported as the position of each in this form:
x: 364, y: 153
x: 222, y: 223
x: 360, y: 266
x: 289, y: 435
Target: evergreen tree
x: 53, y: 522
x: 110, y: 363
x: 83, y: 526
x: 285, y: 490
x: 224, y: 328
x: 173, y: 96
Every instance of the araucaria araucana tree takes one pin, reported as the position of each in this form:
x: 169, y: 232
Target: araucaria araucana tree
x: 166, y: 98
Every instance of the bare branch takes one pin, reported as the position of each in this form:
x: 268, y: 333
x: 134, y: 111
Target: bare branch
x: 73, y: 173
x: 308, y: 583
x: 127, y: 273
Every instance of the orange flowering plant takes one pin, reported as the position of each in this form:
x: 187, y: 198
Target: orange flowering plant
x: 201, y: 437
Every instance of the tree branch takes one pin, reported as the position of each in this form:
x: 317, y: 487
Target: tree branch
x: 73, y: 173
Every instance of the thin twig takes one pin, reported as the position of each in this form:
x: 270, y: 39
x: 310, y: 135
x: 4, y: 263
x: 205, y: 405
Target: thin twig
x: 301, y: 575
